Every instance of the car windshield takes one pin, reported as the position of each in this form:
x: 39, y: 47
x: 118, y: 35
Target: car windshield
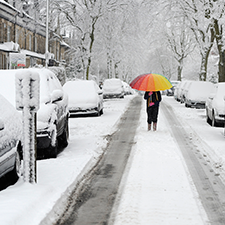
x: 221, y: 90
x: 81, y: 91
x: 112, y: 82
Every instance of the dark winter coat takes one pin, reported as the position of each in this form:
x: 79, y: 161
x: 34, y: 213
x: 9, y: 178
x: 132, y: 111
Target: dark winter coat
x: 155, y: 97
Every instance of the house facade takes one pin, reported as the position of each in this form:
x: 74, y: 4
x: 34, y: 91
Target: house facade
x: 21, y: 33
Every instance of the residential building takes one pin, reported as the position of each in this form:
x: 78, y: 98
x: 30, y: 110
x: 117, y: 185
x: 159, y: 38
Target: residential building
x: 21, y: 33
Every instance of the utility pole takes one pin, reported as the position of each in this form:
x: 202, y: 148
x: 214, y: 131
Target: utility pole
x: 46, y: 38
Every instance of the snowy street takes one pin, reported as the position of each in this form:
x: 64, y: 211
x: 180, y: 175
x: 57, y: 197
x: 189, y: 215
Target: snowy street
x: 156, y: 187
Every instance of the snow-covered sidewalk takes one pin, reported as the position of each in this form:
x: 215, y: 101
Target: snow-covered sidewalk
x: 157, y: 188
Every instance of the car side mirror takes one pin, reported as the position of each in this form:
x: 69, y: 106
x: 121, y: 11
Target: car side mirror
x: 57, y: 95
x: 211, y: 96
x: 100, y: 92
x: 2, y: 126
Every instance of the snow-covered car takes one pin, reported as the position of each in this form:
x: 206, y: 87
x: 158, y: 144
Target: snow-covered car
x: 127, y: 88
x: 197, y: 94
x: 184, y: 90
x: 53, y: 114
x: 180, y: 90
x: 215, y: 105
x: 171, y: 91
x: 85, y: 97
x: 113, y: 88
x: 10, y: 139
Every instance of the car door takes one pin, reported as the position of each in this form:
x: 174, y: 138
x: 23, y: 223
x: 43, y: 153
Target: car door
x: 61, y: 104
x: 210, y: 101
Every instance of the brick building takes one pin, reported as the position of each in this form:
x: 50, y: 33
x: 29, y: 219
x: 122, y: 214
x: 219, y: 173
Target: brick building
x: 21, y: 33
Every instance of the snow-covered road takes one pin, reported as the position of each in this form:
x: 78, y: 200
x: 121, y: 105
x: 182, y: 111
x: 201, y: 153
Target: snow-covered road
x: 156, y: 157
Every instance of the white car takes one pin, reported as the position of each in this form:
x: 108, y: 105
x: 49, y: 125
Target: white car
x: 127, y: 89
x: 85, y: 97
x: 10, y: 140
x: 170, y: 92
x: 197, y: 94
x: 180, y: 90
x: 215, y: 105
x: 113, y: 88
x: 53, y: 114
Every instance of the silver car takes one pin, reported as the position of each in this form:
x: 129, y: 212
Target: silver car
x: 53, y: 114
x: 10, y: 139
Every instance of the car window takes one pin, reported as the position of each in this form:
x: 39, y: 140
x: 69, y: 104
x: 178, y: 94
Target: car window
x: 54, y: 83
x: 221, y: 90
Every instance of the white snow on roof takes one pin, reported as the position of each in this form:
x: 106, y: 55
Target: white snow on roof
x: 9, y: 46
x: 64, y: 44
x: 6, y: 3
x: 35, y: 54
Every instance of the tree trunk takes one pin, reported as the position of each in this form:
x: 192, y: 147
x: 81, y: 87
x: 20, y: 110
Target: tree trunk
x: 221, y: 72
x: 179, y: 71
x: 204, y: 65
x: 221, y: 65
x: 180, y: 68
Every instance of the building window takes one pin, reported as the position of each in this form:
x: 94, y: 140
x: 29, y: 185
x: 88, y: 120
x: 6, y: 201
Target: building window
x: 17, y: 35
x: 8, y: 34
x: 30, y: 41
x: 35, y: 44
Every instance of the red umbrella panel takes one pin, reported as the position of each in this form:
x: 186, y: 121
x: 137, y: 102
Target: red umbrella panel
x: 151, y: 82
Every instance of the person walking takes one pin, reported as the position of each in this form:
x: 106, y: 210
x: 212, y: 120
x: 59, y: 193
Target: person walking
x: 153, y: 98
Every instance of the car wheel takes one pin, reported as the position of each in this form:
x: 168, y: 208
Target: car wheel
x: 207, y: 118
x: 63, y: 139
x: 101, y: 111
x: 98, y: 113
x: 53, y: 148
x: 214, y: 124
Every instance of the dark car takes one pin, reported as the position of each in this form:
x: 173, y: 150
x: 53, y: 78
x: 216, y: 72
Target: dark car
x: 53, y: 114
x: 10, y: 139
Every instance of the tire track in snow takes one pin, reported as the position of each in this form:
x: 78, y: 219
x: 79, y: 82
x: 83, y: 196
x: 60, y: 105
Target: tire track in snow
x: 210, y: 187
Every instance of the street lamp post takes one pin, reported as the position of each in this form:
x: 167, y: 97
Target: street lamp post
x: 46, y: 39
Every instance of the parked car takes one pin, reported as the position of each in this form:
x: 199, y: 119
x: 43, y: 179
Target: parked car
x: 10, y: 140
x: 127, y: 88
x: 197, y: 94
x: 113, y: 88
x: 215, y: 105
x: 176, y: 90
x: 171, y: 91
x: 184, y: 90
x: 85, y: 97
x: 180, y: 89
x: 53, y: 114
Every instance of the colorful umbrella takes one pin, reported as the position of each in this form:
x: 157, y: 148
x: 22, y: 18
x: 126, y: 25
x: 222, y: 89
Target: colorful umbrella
x: 151, y: 82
